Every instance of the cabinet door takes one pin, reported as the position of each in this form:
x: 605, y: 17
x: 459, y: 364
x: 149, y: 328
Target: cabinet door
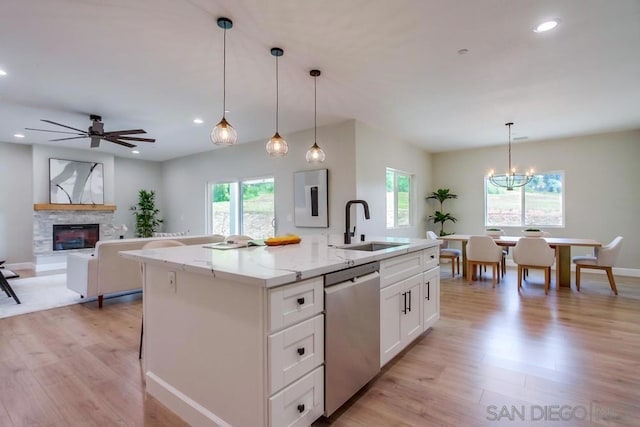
x: 391, y: 305
x: 431, y: 297
x: 411, y: 315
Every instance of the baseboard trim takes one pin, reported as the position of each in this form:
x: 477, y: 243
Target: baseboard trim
x: 52, y: 266
x: 186, y: 408
x: 20, y: 266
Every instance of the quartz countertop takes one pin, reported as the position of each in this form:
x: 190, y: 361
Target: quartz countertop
x: 270, y: 266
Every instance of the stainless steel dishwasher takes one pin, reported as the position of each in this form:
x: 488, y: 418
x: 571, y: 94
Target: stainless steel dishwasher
x: 352, y: 332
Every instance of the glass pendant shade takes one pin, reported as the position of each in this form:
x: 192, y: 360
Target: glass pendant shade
x: 315, y: 154
x: 223, y: 133
x: 277, y: 146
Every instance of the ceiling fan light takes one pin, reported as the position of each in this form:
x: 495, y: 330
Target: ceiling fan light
x: 277, y: 146
x: 224, y: 134
x: 315, y: 154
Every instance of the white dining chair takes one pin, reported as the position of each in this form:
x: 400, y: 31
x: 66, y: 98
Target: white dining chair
x: 453, y: 255
x: 604, y: 259
x: 534, y: 252
x: 482, y: 250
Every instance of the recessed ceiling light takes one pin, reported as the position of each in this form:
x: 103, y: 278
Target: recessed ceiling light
x: 3, y: 72
x: 135, y: 151
x: 18, y: 135
x: 546, y: 26
x: 198, y: 121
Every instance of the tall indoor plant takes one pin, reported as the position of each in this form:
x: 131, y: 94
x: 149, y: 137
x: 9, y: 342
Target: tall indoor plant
x: 440, y: 217
x: 146, y: 214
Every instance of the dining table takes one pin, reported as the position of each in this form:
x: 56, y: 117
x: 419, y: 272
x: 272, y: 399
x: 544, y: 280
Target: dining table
x: 562, y: 246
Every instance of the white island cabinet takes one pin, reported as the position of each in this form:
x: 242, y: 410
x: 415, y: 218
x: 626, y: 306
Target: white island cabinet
x: 409, y: 299
x: 236, y: 337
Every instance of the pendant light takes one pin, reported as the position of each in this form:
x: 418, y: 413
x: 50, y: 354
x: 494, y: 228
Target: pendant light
x: 277, y: 146
x: 315, y: 153
x: 224, y: 133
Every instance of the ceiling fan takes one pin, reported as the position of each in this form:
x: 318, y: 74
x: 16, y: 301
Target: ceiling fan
x: 96, y: 133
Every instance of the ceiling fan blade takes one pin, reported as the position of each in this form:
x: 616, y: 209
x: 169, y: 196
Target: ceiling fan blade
x: 59, y: 124
x: 56, y: 131
x: 66, y: 139
x: 115, y: 141
x: 124, y: 132
x: 133, y: 138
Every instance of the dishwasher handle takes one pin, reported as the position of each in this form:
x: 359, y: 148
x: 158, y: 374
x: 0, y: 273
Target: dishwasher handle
x: 351, y: 282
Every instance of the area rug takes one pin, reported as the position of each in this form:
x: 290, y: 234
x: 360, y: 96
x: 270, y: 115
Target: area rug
x: 37, y: 293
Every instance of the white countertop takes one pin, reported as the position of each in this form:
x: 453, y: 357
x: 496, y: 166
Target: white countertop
x: 270, y: 266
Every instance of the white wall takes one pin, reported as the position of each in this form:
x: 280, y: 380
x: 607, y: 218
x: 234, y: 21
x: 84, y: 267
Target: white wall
x: 131, y: 176
x: 185, y: 179
x: 41, y: 155
x: 375, y: 151
x: 16, y: 203
x: 602, y: 176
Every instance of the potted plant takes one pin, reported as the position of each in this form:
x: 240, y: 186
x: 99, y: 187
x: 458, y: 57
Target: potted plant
x: 532, y: 232
x: 494, y: 232
x: 440, y: 217
x: 146, y: 214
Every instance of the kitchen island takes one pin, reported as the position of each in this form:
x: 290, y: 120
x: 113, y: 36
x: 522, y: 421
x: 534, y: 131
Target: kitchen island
x: 236, y: 337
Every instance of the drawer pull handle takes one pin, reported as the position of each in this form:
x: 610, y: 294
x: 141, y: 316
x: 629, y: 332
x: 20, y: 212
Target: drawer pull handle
x: 300, y: 301
x: 301, y: 351
x: 301, y: 407
x: 433, y: 256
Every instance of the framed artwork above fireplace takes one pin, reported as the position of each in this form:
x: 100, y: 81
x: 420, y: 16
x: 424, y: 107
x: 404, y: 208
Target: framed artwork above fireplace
x: 72, y: 182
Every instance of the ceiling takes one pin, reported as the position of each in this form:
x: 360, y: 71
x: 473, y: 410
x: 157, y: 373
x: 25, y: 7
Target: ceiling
x: 157, y: 65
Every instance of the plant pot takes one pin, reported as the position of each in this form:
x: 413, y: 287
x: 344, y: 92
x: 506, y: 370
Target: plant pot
x: 533, y: 233
x: 494, y: 233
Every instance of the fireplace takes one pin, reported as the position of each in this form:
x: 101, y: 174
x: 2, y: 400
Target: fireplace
x: 75, y: 236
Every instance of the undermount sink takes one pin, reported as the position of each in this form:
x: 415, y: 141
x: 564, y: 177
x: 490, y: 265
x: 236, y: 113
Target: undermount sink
x: 372, y: 246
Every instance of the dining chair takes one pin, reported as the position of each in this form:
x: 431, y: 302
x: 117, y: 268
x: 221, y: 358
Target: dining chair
x: 604, y: 259
x: 155, y: 244
x: 482, y: 250
x: 453, y: 255
x: 534, y: 252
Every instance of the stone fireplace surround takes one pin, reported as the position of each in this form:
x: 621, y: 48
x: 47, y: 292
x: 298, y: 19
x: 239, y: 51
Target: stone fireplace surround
x: 43, y: 221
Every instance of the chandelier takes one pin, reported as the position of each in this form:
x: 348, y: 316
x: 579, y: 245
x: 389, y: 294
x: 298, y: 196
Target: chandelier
x: 511, y: 179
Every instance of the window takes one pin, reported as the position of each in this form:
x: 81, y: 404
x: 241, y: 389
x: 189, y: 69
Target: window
x: 399, y: 199
x: 539, y: 203
x: 242, y: 207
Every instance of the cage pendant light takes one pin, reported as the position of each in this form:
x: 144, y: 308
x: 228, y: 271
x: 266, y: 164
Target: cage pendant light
x: 511, y: 179
x: 277, y: 146
x: 223, y: 133
x: 315, y: 154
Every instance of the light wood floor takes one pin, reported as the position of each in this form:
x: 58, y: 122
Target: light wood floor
x: 78, y: 366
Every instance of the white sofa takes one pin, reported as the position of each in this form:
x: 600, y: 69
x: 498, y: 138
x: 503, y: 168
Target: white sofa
x: 106, y: 272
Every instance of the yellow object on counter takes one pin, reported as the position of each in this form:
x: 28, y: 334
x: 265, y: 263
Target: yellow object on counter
x: 282, y: 240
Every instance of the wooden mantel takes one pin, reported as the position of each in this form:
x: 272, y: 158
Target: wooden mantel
x: 61, y: 207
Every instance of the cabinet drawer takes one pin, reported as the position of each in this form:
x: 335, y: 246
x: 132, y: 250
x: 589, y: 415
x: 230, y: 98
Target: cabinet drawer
x: 431, y: 258
x: 295, y: 351
x: 393, y: 270
x: 301, y: 403
x: 293, y: 303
